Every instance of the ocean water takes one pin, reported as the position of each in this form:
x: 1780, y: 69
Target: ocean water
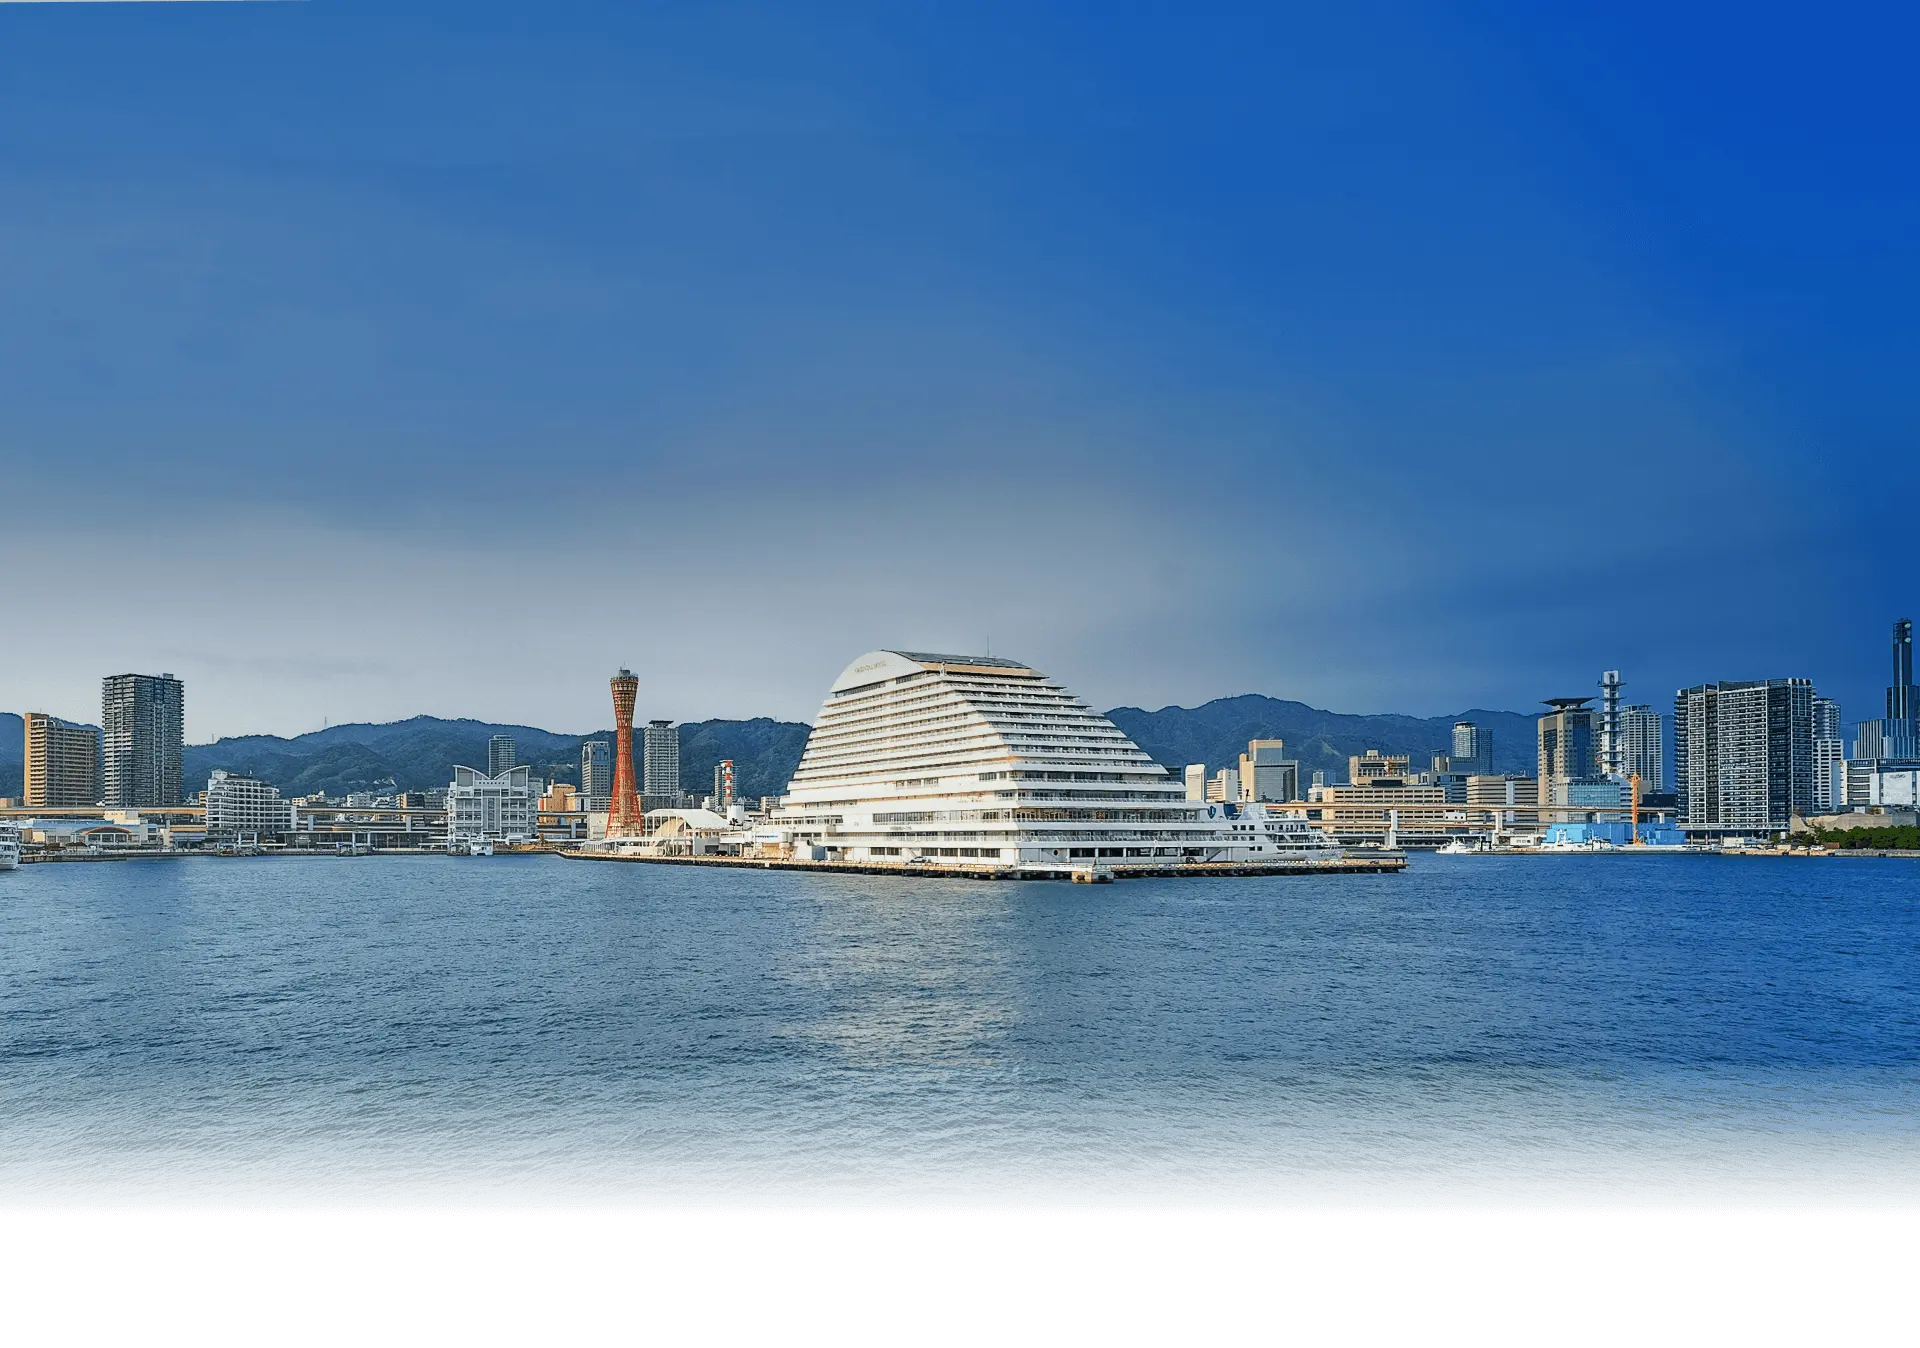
x: 1503, y: 1026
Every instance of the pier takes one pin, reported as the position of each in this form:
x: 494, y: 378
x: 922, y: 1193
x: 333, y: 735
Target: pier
x: 1200, y: 870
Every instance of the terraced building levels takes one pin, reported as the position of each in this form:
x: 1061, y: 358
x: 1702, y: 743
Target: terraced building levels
x: 963, y: 758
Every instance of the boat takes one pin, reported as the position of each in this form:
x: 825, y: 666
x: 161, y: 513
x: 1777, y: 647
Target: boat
x: 480, y: 847
x: 9, y: 844
x: 1459, y: 847
x: 1254, y: 831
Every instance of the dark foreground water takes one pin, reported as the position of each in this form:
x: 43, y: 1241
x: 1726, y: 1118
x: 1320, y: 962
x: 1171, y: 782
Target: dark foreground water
x: 1600, y: 1024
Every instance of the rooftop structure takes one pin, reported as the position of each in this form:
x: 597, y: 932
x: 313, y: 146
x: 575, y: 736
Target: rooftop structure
x: 1373, y: 766
x: 982, y: 759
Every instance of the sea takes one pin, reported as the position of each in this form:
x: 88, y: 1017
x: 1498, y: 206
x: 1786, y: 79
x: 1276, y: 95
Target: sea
x: 1500, y: 1027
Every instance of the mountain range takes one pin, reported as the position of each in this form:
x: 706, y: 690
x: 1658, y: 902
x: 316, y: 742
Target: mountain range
x: 419, y: 754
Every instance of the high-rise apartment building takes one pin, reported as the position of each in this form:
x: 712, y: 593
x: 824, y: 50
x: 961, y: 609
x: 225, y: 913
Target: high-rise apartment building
x: 62, y: 763
x: 142, y: 720
x: 1743, y: 754
x: 1643, y: 752
x: 596, y: 775
x: 501, y: 755
x: 1472, y: 750
x: 1568, y: 749
x: 1266, y: 773
x: 660, y: 766
x: 1829, y: 757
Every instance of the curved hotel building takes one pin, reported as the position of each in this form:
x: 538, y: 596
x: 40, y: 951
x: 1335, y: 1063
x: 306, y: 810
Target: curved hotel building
x: 970, y: 758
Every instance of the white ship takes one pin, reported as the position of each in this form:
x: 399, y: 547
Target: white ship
x: 1258, y: 832
x: 9, y: 845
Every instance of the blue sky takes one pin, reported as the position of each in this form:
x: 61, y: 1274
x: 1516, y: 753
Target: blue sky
x: 358, y: 360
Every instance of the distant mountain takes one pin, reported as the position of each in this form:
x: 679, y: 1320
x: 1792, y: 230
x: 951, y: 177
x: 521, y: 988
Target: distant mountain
x: 1217, y: 733
x: 420, y: 754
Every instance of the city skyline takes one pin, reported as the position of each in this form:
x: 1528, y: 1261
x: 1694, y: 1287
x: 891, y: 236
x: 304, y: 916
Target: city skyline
x: 1274, y: 327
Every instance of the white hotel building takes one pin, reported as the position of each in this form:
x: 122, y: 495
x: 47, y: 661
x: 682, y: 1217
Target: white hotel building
x: 959, y: 759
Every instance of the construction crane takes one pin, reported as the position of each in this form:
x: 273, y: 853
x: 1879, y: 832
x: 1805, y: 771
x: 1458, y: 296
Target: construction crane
x: 1633, y: 786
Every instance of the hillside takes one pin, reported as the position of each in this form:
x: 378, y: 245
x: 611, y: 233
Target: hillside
x: 1217, y: 733
x: 419, y: 754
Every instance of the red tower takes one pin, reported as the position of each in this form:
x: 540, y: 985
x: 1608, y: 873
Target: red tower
x: 624, y: 817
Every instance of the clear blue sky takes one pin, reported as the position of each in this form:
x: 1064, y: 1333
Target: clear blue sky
x: 364, y: 359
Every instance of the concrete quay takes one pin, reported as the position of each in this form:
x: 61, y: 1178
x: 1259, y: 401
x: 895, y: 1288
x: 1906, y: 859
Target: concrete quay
x: 1386, y: 865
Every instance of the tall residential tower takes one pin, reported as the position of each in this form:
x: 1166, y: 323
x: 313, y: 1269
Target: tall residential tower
x: 62, y: 763
x: 142, y: 717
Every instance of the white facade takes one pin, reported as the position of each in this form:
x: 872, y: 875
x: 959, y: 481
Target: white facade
x: 978, y: 759
x: 493, y: 809
x: 1880, y: 783
x: 238, y: 804
x: 1196, y: 778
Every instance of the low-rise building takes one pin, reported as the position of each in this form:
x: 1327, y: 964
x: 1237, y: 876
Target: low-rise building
x: 1374, y: 765
x: 481, y: 808
x: 240, y: 806
x: 1883, y: 781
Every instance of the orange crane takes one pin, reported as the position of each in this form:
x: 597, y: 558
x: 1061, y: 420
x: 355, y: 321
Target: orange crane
x: 1633, y: 782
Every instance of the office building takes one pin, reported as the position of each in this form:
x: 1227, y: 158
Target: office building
x: 487, y: 807
x: 1266, y: 773
x: 1897, y: 734
x: 1883, y: 782
x: 1472, y: 750
x: 1489, y: 790
x: 1743, y: 755
x: 1568, y: 747
x: 501, y: 755
x: 596, y: 776
x: 1196, y: 778
x: 1643, y: 751
x: 1374, y: 766
x: 62, y: 763
x: 1225, y: 786
x: 978, y: 758
x: 239, y: 806
x: 142, y: 721
x: 660, y: 787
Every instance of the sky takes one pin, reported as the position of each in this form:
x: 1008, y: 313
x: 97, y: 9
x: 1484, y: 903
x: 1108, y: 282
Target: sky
x: 361, y: 360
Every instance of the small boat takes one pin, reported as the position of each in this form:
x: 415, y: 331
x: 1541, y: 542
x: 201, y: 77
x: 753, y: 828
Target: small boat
x: 480, y: 847
x: 1459, y: 847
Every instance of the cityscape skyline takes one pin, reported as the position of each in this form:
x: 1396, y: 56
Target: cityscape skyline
x: 836, y: 318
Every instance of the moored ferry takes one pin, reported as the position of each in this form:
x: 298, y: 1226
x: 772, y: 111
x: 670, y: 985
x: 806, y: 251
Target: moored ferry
x: 9, y: 844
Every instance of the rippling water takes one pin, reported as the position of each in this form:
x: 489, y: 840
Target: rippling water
x: 526, y: 1024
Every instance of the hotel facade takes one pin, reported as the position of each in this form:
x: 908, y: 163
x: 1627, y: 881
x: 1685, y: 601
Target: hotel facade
x: 962, y: 758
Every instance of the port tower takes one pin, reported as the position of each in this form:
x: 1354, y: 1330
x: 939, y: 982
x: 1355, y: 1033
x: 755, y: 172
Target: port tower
x: 624, y: 817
